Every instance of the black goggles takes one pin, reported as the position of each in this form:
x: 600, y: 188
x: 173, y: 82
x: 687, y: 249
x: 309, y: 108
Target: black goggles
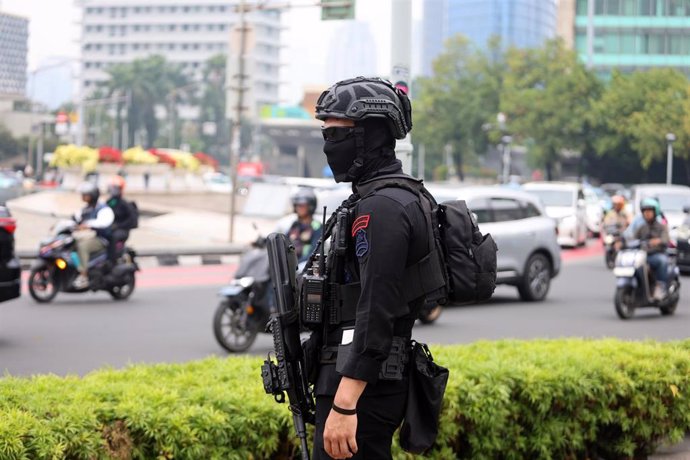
x: 337, y: 133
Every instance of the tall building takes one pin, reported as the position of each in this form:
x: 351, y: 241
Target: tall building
x: 14, y: 37
x: 352, y: 52
x: 520, y: 23
x: 185, y: 32
x: 434, y: 32
x: 632, y: 34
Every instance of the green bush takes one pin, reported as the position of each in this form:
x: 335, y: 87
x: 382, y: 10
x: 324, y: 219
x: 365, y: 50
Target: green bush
x: 560, y: 399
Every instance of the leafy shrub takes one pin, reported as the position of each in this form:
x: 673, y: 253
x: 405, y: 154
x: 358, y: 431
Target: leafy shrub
x: 560, y: 399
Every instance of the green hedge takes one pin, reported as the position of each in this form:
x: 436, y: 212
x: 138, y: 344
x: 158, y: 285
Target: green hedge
x: 560, y: 399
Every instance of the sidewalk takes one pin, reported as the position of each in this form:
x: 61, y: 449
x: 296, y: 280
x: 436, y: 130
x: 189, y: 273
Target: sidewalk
x: 167, y: 221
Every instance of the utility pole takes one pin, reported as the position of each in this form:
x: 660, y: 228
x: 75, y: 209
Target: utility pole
x: 401, y: 52
x: 235, y: 148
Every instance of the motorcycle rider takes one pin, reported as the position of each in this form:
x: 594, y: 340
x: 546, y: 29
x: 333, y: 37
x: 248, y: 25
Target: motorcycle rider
x: 305, y: 231
x: 94, y: 216
x: 124, y: 217
x: 655, y: 233
x: 617, y: 216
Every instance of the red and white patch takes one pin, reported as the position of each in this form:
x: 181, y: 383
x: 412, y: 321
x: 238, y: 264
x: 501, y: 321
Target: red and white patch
x: 360, y: 223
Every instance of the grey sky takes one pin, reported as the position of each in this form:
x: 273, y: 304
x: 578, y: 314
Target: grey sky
x: 54, y: 31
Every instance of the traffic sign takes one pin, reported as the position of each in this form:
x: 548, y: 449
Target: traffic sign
x: 337, y: 9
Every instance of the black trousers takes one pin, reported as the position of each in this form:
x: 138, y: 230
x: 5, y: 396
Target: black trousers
x: 117, y: 236
x: 377, y: 419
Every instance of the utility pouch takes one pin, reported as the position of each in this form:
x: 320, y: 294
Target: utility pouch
x: 424, y: 400
x: 393, y: 368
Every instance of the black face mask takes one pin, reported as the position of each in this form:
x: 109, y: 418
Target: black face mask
x: 340, y: 156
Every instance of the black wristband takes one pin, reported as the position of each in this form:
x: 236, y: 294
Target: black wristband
x: 342, y: 411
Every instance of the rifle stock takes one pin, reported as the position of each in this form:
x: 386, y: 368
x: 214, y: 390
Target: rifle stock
x: 287, y: 374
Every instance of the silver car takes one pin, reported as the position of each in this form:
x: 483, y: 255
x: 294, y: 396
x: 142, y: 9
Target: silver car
x: 528, y: 252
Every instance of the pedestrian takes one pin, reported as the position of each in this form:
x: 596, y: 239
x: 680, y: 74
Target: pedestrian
x: 359, y: 403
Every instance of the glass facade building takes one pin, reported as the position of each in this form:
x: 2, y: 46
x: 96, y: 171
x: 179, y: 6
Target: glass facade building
x: 14, y: 37
x: 634, y: 35
x: 520, y: 23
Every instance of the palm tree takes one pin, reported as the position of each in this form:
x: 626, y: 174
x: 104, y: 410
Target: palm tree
x: 145, y: 82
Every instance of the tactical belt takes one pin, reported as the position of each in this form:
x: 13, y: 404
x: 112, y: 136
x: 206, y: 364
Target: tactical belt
x: 393, y: 368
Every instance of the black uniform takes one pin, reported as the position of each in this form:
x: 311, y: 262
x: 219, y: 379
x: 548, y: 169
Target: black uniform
x: 387, y: 234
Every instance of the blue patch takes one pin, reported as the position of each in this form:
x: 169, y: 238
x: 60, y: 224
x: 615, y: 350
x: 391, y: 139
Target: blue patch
x: 361, y: 243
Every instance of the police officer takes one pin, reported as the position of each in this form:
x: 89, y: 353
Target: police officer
x: 305, y: 231
x: 359, y: 405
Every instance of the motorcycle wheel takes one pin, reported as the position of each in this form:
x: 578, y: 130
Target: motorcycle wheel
x: 670, y: 308
x: 231, y: 327
x: 42, y: 286
x: 124, y: 291
x: 610, y: 260
x: 624, y: 303
x: 428, y: 316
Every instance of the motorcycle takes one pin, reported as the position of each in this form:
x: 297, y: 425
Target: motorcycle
x: 613, y: 240
x: 56, y: 268
x: 635, y: 283
x: 246, y: 303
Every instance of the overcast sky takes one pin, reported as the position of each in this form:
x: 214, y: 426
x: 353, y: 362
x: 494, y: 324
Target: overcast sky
x: 54, y: 31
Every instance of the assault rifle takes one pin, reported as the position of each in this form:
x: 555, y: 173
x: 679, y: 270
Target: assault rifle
x: 287, y: 374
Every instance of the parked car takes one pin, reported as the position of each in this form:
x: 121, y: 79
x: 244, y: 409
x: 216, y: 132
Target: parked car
x: 564, y: 202
x: 10, y: 268
x: 528, y: 252
x: 672, y: 199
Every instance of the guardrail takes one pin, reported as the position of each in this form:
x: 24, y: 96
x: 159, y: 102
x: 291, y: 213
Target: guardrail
x: 166, y: 257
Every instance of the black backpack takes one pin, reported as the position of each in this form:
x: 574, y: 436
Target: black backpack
x: 461, y: 264
x: 133, y: 215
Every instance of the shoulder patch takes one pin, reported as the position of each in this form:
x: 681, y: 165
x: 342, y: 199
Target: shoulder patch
x: 360, y: 223
x: 361, y: 244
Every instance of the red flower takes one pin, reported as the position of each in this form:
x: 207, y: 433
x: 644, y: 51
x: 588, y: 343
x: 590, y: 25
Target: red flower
x: 108, y: 154
x: 206, y: 160
x: 163, y: 157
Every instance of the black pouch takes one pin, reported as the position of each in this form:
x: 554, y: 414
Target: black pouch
x: 424, y: 400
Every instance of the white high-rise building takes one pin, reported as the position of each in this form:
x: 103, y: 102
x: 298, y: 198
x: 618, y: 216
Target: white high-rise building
x: 185, y: 32
x: 352, y: 52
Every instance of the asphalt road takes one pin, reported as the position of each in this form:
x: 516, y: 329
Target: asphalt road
x: 170, y: 321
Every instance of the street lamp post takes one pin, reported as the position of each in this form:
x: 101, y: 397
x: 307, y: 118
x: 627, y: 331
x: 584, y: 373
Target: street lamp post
x: 670, y: 138
x: 505, y: 142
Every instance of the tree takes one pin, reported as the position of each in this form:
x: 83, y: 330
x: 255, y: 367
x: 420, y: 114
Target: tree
x: 547, y: 94
x: 146, y: 82
x: 455, y: 104
x: 212, y: 105
x: 9, y: 147
x: 637, y: 111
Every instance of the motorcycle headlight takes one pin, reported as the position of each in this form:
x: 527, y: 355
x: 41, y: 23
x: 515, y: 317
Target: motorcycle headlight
x: 608, y: 239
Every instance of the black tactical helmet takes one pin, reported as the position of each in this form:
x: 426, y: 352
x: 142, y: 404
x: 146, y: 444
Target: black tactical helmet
x: 305, y: 196
x: 359, y: 98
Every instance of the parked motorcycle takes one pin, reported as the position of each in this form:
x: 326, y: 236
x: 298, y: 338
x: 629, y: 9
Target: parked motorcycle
x: 613, y: 240
x: 635, y: 283
x: 246, y: 302
x: 56, y: 268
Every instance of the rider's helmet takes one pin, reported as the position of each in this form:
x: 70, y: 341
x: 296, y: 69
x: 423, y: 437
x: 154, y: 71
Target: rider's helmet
x: 89, y: 192
x: 116, y: 186
x: 305, y: 196
x: 618, y: 202
x: 650, y: 203
x: 362, y: 98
